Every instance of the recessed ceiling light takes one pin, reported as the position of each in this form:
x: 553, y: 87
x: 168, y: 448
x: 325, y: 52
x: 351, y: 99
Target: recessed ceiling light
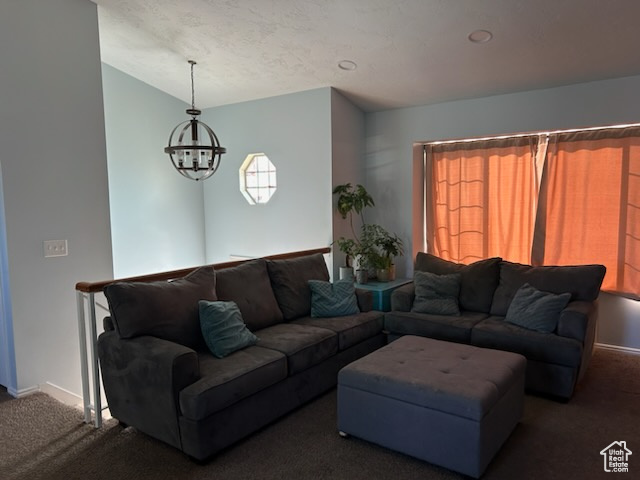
x: 347, y: 65
x: 480, y: 36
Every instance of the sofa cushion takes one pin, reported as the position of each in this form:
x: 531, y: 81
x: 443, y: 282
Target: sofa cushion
x: 225, y: 381
x: 479, y: 279
x: 223, y: 330
x: 494, y: 332
x: 441, y: 327
x: 333, y: 299
x: 248, y: 285
x: 402, y: 298
x: 365, y: 300
x: 167, y: 310
x: 304, y: 345
x: 351, y: 329
x: 536, y: 310
x: 581, y: 281
x: 290, y: 282
x: 436, y: 294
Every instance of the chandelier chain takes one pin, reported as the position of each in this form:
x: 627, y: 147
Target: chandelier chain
x: 193, y: 93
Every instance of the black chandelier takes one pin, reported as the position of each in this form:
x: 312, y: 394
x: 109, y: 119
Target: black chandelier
x: 195, y: 151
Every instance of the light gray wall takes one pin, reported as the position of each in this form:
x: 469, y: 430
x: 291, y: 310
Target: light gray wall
x: 54, y: 174
x: 347, y: 142
x: 294, y: 131
x: 157, y: 215
x: 390, y: 135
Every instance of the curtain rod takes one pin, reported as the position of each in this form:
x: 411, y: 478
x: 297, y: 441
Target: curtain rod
x: 530, y: 134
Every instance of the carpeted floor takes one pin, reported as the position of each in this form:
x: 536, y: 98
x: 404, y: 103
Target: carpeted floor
x: 43, y: 439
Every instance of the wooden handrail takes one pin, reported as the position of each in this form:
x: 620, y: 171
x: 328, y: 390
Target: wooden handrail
x: 94, y: 287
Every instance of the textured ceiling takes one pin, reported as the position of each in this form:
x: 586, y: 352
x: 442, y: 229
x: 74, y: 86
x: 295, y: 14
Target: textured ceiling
x: 408, y: 52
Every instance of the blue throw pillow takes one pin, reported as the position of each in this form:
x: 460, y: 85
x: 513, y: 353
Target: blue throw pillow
x: 333, y: 300
x: 436, y: 294
x: 223, y: 329
x: 536, y: 310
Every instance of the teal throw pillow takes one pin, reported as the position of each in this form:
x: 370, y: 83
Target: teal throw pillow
x: 333, y: 300
x: 436, y: 294
x: 223, y: 329
x: 536, y: 310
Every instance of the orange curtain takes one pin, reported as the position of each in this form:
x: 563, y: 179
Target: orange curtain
x: 481, y: 199
x: 590, y: 205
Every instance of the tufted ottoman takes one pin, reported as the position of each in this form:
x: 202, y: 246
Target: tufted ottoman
x: 450, y: 404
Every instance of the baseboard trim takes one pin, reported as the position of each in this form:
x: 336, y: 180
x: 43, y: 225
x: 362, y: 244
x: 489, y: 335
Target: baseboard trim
x: 618, y: 348
x: 61, y: 394
x: 23, y: 392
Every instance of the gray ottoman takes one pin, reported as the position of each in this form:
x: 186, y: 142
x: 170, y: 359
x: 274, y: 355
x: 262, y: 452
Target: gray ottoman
x: 450, y: 404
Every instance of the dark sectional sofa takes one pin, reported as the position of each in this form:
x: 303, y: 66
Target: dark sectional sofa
x: 556, y: 361
x: 160, y: 378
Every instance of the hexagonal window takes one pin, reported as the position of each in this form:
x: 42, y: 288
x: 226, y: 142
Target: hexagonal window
x: 257, y: 178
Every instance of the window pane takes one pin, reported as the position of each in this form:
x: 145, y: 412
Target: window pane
x: 257, y: 178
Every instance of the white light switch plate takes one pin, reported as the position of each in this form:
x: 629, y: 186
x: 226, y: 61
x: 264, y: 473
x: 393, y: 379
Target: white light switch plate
x: 55, y: 248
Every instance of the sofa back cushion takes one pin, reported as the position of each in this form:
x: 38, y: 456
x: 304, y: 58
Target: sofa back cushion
x: 167, y: 310
x: 436, y: 294
x: 478, y: 280
x: 290, y: 282
x: 581, y: 281
x: 248, y: 285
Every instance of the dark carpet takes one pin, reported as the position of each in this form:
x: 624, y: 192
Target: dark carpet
x: 43, y: 439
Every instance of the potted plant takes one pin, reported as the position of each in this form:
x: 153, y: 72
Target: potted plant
x: 373, y: 250
x: 390, y: 246
x: 382, y: 248
x: 352, y: 201
x: 349, y: 247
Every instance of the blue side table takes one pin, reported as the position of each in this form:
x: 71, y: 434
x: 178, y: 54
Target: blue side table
x: 382, y: 292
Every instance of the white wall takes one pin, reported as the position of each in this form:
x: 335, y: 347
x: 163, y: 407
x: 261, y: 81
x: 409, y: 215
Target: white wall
x: 54, y: 178
x: 347, y: 166
x: 390, y: 135
x: 157, y: 215
x: 294, y: 131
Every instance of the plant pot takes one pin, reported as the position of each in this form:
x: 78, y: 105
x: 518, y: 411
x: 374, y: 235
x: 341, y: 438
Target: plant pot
x: 383, y: 274
x: 346, y: 273
x: 392, y: 272
x: 362, y: 276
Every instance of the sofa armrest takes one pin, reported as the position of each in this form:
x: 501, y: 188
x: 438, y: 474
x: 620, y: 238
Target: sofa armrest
x: 365, y: 300
x: 142, y: 378
x: 402, y: 298
x: 576, y: 320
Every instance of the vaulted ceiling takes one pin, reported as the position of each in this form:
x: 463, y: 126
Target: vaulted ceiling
x: 407, y: 52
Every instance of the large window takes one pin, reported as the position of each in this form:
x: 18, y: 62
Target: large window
x: 547, y: 199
